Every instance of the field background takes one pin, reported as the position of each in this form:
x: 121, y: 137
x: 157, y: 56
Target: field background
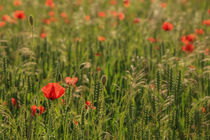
x: 140, y: 82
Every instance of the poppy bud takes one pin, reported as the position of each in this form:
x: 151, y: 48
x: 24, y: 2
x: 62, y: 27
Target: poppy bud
x: 31, y: 21
x: 104, y: 79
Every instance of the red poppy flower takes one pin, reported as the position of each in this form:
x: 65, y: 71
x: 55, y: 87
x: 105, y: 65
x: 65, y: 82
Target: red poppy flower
x: 13, y: 100
x: 63, y: 15
x: 209, y: 11
x: 101, y: 38
x: 126, y: 3
x: 188, y: 38
x: 206, y: 52
x: 17, y: 3
x: 121, y: 16
x: 87, y: 18
x: 33, y: 110
x: 47, y: 21
x: 98, y: 69
x: 163, y: 5
x: 51, y: 13
x: 167, y: 26
x: 93, y: 107
x: 53, y: 91
x: 71, y: 81
x: 113, y: 2
x: 102, y: 14
x: 1, y: 7
x: 49, y: 3
x: 206, y: 22
x: 19, y: 15
x: 43, y: 35
x: 188, y: 48
x: 136, y: 20
x: 152, y: 40
x: 76, y: 123
x: 6, y: 18
x: 41, y: 109
x: 87, y: 104
x: 2, y: 24
x: 204, y: 110
x: 199, y: 31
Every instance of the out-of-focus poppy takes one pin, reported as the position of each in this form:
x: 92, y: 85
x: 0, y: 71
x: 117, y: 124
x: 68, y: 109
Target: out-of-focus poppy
x: 206, y: 22
x: 199, y: 31
x: 188, y: 38
x: 63, y: 15
x: 47, y: 21
x: 101, y: 38
x: 2, y: 23
x: 33, y: 110
x: 126, y: 3
x: 53, y: 91
x: 152, y: 40
x: 204, y: 110
x: 71, y: 81
x: 87, y: 18
x: 98, y: 69
x: 51, y: 13
x: 121, y: 16
x: 206, y: 52
x: 41, y: 109
x: 167, y: 26
x: 1, y: 7
x: 49, y: 3
x: 6, y: 18
x: 136, y: 20
x: 102, y: 14
x: 163, y: 5
x: 13, y: 100
x: 43, y: 35
x: 19, y: 15
x: 75, y: 122
x: 188, y: 48
x: 113, y: 2
x: 17, y: 3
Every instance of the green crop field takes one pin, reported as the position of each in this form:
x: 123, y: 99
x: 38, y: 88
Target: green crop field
x: 105, y: 69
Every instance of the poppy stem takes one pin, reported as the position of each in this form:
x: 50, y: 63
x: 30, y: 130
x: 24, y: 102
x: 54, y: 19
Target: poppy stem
x: 29, y: 129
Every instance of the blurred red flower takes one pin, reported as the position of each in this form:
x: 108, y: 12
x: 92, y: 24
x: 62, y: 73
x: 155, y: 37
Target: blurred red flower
x: 33, y: 110
x: 75, y: 122
x: 199, y: 31
x: 113, y: 2
x: 41, y: 109
x: 63, y: 15
x: 163, y: 5
x: 102, y: 14
x: 1, y: 7
x: 188, y: 38
x: 17, y: 3
x: 53, y: 91
x: 51, y: 13
x: 136, y: 20
x: 121, y: 16
x: 19, y: 15
x: 71, y: 81
x: 167, y: 26
x: 204, y: 110
x: 97, y: 54
x: 188, y: 48
x: 50, y: 3
x: 152, y: 40
x: 206, y: 22
x: 101, y: 38
x: 43, y: 35
x: 13, y: 100
x: 2, y: 23
x: 87, y: 18
x: 126, y: 3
